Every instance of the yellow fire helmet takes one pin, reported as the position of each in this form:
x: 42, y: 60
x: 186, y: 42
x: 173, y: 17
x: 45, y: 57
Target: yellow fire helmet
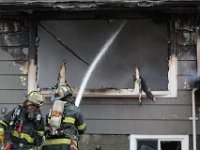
x: 62, y: 91
x: 36, y: 98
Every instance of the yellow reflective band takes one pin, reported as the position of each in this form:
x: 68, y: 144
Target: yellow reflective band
x: 69, y: 120
x: 56, y: 141
x: 4, y: 123
x: 65, y: 89
x: 48, y: 121
x: 41, y: 133
x: 62, y: 90
x: 31, y: 94
x: 2, y: 130
x: 56, y: 91
x: 82, y: 127
x: 23, y: 136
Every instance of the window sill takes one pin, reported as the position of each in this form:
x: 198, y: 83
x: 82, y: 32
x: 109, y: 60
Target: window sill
x: 109, y: 92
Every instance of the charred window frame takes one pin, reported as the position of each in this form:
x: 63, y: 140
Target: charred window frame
x: 128, y: 92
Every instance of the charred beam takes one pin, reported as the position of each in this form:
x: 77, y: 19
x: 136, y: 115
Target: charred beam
x: 33, y: 68
x: 56, y: 5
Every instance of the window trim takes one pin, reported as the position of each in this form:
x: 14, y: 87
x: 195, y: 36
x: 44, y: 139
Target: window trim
x: 183, y: 138
x: 129, y: 93
x: 171, y: 92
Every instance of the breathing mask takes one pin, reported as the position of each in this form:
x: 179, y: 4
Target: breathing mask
x: 32, y: 111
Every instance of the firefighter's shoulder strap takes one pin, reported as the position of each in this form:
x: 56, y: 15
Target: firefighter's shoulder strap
x: 16, y: 113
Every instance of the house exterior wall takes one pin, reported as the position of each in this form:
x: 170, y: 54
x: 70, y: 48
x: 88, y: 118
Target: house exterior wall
x: 116, y: 118
x: 14, y: 35
x: 109, y: 120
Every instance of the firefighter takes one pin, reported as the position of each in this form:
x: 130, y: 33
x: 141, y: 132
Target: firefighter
x: 25, y: 123
x: 64, y: 123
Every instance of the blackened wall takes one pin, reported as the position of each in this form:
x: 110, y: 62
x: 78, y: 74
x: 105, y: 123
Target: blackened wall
x: 14, y: 43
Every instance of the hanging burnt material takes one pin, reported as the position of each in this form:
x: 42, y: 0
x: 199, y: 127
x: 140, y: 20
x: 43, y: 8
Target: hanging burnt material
x: 141, y: 86
x: 61, y: 80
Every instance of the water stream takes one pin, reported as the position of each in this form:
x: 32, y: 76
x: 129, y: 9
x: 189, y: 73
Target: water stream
x: 94, y: 64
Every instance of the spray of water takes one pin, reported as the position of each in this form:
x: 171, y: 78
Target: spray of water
x: 94, y: 64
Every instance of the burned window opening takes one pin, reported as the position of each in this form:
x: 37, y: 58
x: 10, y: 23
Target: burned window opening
x: 102, y: 90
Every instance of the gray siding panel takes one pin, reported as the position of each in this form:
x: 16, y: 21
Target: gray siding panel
x: 184, y: 82
x: 109, y: 119
x: 146, y: 127
x: 12, y: 96
x: 130, y: 121
x: 123, y: 116
x: 133, y: 112
x: 107, y: 142
x: 10, y: 53
x: 198, y: 125
x: 13, y: 82
x: 12, y: 67
x: 6, y: 107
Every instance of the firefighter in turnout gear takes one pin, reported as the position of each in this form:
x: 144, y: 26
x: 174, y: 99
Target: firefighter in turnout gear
x: 64, y: 123
x: 25, y: 124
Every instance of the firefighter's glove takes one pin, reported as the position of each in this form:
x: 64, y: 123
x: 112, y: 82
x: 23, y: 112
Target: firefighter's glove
x: 1, y: 138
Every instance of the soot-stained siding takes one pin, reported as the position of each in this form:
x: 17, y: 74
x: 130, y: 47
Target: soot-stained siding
x: 14, y: 42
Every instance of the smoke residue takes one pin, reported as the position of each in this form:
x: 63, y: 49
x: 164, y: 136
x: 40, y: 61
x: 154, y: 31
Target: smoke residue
x: 195, y: 83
